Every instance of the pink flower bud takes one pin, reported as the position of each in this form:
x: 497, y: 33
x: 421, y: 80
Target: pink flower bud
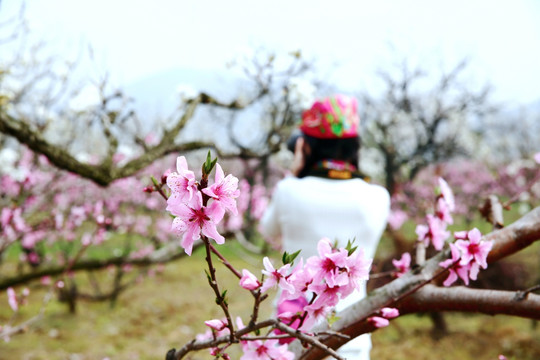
x: 164, y: 176
x: 249, y: 281
x: 216, y: 324
x: 389, y: 313
x: 148, y: 189
x: 12, y: 299
x: 378, y: 322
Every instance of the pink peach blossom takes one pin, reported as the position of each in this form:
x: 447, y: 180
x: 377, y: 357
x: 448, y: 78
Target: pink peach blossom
x: 447, y: 194
x: 276, y: 277
x: 455, y: 268
x: 249, y: 281
x: 474, y: 250
x: 224, y: 190
x: 330, y: 265
x: 266, y: 350
x: 402, y: 265
x: 435, y: 232
x: 192, y: 219
x: 181, y: 183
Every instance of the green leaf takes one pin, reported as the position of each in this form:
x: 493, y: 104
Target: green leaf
x: 332, y: 318
x: 350, y: 249
x: 208, y: 276
x: 208, y: 164
x: 154, y: 181
x: 289, y: 258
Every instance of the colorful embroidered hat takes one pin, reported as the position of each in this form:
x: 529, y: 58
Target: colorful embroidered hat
x: 334, y: 117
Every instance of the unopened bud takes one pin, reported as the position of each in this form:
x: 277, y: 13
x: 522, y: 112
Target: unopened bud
x: 165, y: 176
x: 148, y: 189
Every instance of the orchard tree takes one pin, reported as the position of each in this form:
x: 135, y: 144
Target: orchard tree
x: 87, y: 164
x: 420, y: 121
x: 512, y: 134
x: 300, y: 332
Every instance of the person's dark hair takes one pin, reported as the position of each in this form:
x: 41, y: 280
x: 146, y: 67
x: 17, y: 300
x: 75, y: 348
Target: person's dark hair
x: 335, y: 149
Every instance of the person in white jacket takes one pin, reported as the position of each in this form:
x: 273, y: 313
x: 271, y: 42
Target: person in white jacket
x: 327, y: 196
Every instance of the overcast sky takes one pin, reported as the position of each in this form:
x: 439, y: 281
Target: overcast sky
x: 133, y: 39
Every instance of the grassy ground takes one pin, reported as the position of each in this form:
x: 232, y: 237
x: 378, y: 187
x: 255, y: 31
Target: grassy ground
x: 167, y: 310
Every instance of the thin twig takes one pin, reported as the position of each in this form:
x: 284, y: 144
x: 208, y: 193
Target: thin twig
x: 522, y: 295
x: 214, y: 285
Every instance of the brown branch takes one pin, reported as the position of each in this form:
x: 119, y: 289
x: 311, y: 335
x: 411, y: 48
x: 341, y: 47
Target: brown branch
x: 158, y: 257
x: 460, y: 298
x: 212, y: 281
x: 106, y: 172
x: 195, y: 345
x: 56, y: 154
x: 515, y: 237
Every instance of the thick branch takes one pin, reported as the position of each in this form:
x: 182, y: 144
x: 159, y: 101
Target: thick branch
x: 56, y: 155
x: 515, y: 237
x: 459, y: 298
x: 106, y: 172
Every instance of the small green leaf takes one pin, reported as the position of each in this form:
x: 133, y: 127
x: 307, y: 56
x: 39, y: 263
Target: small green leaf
x: 208, y: 165
x: 208, y: 276
x: 289, y: 258
x: 332, y: 318
x: 350, y: 249
x: 154, y: 181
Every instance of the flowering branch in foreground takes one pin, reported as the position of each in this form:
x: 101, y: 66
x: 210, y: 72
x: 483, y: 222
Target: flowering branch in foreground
x: 300, y: 330
x: 198, y: 208
x: 507, y: 241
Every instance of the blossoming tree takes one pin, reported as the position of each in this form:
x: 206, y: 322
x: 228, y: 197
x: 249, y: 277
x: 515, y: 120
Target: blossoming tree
x: 310, y: 290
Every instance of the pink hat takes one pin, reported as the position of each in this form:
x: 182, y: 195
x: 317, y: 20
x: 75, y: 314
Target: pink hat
x: 334, y: 117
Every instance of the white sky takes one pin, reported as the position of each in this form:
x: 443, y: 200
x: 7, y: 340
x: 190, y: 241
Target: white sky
x: 133, y: 39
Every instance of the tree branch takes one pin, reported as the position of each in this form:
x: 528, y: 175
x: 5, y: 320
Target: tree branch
x: 160, y: 256
x: 106, y: 172
x: 460, y: 298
